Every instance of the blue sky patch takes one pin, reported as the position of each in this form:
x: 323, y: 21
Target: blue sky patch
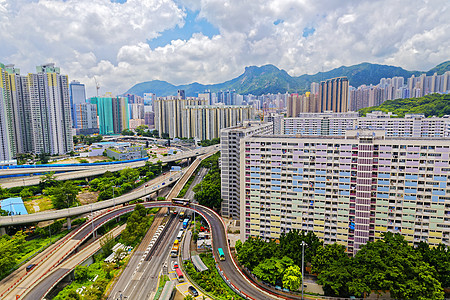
x: 307, y: 31
x: 192, y: 25
x: 279, y: 21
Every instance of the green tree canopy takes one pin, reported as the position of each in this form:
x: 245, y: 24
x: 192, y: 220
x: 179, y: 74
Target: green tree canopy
x: 392, y: 265
x: 292, y: 278
x: 64, y: 195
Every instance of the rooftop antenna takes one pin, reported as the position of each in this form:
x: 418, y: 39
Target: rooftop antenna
x: 97, y: 85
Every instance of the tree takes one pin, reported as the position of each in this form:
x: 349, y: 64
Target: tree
x: 73, y: 295
x: 127, y: 132
x: 272, y: 269
x: 44, y: 157
x: 48, y: 180
x: 26, y: 193
x: 439, y: 258
x: 64, y: 195
x: 107, y: 242
x: 141, y: 129
x: 81, y: 273
x: 290, y: 245
x: 108, y: 268
x: 292, y: 278
x: 254, y: 250
x: 334, y: 269
x: 188, y: 297
x: 10, y: 247
x: 137, y: 225
x: 326, y: 256
x: 392, y: 265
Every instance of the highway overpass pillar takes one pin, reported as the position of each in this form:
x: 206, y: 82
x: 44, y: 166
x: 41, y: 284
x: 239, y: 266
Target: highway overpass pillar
x: 69, y: 224
x: 2, y: 231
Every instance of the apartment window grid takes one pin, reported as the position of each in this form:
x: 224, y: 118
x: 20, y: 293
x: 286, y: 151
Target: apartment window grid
x: 326, y: 203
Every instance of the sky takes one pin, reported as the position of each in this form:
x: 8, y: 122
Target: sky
x: 124, y: 42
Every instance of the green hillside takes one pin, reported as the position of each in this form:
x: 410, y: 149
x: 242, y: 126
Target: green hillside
x: 440, y: 69
x: 430, y: 105
x: 269, y: 79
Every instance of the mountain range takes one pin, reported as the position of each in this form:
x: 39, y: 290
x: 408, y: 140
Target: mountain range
x: 269, y: 79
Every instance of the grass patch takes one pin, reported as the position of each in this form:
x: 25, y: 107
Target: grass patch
x: 44, y: 203
x: 162, y: 281
x: 210, y: 280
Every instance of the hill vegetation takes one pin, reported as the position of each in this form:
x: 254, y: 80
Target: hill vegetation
x: 429, y: 105
x: 269, y: 79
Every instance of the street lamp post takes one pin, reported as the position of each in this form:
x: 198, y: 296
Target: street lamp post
x: 303, y: 258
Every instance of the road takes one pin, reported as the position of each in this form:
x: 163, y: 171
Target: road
x: 140, y: 281
x: 92, y: 170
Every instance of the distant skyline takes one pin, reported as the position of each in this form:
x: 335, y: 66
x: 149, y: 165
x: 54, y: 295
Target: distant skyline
x: 124, y: 42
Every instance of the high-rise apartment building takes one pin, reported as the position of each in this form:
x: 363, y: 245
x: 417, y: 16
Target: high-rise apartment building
x: 412, y: 125
x: 50, y: 111
x: 86, y: 116
x: 346, y: 189
x: 7, y: 145
x: 333, y: 95
x: 327, y: 123
x: 206, y: 121
x: 168, y: 114
x: 307, y: 103
x: 77, y: 94
x: 276, y: 120
x: 230, y: 158
x: 113, y: 114
x: 37, y: 111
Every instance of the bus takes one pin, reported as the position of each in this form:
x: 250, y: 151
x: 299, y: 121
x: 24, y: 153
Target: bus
x: 221, y: 254
x: 180, y: 276
x: 185, y: 223
x: 180, y: 235
x: 181, y: 216
x: 174, y: 251
x: 180, y: 201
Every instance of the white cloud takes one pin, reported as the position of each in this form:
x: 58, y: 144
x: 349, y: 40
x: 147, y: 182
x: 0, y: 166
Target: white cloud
x: 109, y: 40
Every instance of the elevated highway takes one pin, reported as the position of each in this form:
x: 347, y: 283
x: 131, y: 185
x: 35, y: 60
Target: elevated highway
x: 160, y: 183
x: 82, y: 171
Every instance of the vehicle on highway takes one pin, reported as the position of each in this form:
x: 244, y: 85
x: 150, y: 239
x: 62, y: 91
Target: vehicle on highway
x: 180, y: 201
x: 180, y: 235
x: 163, y: 183
x: 193, y: 291
x: 174, y: 265
x: 221, y: 254
x: 185, y: 223
x: 170, y: 179
x: 30, y: 267
x: 179, y: 274
x: 181, y: 216
x: 175, y: 212
x: 174, y: 251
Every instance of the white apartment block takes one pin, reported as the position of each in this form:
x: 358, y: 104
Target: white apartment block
x: 327, y: 123
x: 205, y: 121
x: 346, y: 189
x: 412, y: 125
x: 230, y: 158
